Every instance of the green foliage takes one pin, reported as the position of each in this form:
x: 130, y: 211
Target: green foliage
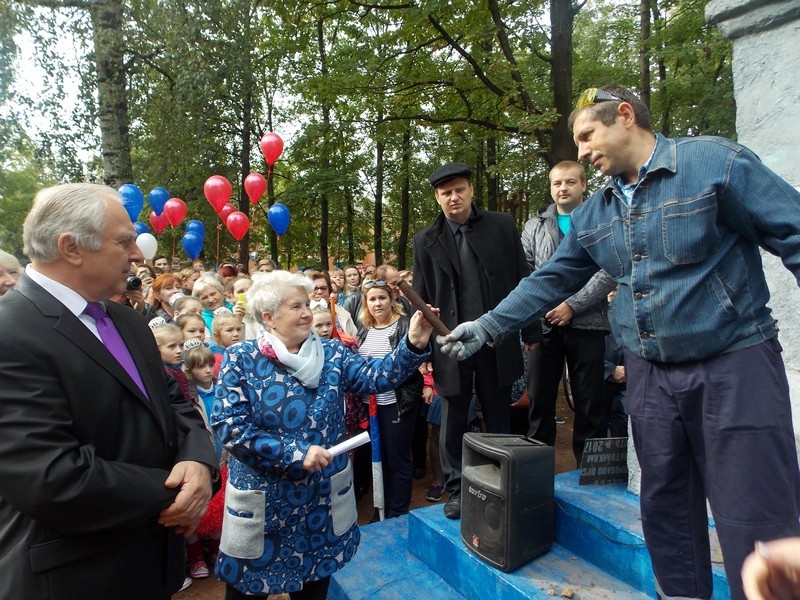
x: 335, y: 79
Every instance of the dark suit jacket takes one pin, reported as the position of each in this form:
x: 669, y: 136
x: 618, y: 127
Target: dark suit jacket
x: 495, y: 238
x: 84, y: 456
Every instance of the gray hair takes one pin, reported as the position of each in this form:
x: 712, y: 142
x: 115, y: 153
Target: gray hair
x: 270, y: 289
x: 206, y: 281
x: 74, y: 208
x: 9, y: 261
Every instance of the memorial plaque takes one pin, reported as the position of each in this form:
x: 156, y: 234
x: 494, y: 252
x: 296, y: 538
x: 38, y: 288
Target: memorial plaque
x: 605, y: 460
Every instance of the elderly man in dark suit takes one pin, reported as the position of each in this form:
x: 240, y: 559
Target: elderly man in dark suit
x: 102, y: 470
x: 465, y: 263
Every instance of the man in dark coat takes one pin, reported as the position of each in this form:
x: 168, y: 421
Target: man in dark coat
x: 488, y: 244
x: 102, y: 470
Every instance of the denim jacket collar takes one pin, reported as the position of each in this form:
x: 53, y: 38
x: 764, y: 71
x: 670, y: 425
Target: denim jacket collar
x: 665, y: 157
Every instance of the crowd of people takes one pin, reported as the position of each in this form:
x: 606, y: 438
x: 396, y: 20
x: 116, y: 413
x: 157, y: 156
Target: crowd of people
x: 185, y: 419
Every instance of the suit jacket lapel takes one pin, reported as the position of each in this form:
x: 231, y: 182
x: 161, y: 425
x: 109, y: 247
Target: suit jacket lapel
x: 68, y: 325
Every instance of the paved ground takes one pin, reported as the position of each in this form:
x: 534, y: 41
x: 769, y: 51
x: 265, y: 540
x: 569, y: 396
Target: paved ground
x: 211, y: 589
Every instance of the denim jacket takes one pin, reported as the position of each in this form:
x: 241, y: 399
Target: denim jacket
x: 685, y: 254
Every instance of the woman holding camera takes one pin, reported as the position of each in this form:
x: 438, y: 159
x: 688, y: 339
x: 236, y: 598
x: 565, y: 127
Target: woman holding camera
x: 165, y: 286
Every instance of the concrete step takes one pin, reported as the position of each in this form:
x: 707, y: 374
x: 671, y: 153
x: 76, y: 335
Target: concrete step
x: 599, y: 554
x: 384, y: 569
x: 436, y: 541
x: 602, y: 524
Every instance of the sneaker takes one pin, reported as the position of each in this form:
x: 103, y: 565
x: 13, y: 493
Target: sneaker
x: 187, y: 581
x: 199, y: 570
x: 560, y: 420
x: 434, y: 493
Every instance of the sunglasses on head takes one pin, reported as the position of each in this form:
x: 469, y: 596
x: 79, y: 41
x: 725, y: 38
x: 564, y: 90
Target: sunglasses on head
x: 371, y: 283
x: 592, y: 96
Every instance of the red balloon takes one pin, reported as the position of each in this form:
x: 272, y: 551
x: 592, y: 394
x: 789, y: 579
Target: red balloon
x: 226, y: 211
x: 218, y: 191
x: 238, y: 224
x: 271, y: 147
x: 159, y: 222
x: 255, y: 185
x: 175, y: 209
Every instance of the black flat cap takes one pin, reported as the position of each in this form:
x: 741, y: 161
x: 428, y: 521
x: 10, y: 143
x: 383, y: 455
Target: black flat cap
x: 448, y: 172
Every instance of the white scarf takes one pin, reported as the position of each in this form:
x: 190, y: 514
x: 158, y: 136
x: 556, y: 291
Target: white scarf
x: 306, y: 365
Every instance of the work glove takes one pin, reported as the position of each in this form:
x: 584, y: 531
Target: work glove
x: 464, y: 341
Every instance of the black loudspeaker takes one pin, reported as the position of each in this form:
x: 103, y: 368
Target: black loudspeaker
x: 507, y: 498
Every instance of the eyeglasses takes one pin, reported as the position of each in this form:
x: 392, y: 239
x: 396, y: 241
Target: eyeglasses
x: 321, y: 288
x: 592, y: 96
x: 371, y: 283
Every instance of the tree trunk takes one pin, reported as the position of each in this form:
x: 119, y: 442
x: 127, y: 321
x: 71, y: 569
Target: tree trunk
x: 112, y: 99
x: 644, y: 51
x: 326, y: 144
x: 377, y: 223
x: 351, y: 215
x: 244, y: 157
x: 491, y: 173
x: 405, y: 201
x: 562, y: 16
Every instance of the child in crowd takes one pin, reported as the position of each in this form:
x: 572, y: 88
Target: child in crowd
x: 434, y: 417
x: 192, y: 326
x: 169, y: 339
x: 251, y: 327
x: 198, y: 364
x: 226, y: 330
x: 322, y: 323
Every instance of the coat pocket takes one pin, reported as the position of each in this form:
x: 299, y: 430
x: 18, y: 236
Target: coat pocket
x: 343, y: 500
x: 243, y: 523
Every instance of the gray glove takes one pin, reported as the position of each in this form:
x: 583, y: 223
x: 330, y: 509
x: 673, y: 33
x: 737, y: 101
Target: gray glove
x: 464, y: 341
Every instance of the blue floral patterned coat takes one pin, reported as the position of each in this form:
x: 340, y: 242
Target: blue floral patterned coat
x: 283, y: 525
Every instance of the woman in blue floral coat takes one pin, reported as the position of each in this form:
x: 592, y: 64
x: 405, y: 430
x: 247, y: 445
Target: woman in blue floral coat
x: 290, y: 514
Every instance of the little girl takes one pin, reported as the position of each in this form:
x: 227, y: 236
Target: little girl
x: 192, y: 326
x: 322, y: 322
x: 169, y: 339
x: 198, y: 364
x: 226, y: 329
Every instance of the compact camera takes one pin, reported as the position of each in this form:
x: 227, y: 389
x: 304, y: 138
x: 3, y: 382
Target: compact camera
x: 133, y: 283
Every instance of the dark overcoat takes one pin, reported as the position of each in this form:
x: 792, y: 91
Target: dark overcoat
x: 496, y: 241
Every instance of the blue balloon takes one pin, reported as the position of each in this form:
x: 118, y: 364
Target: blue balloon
x: 132, y: 200
x: 279, y: 217
x: 140, y: 228
x: 193, y: 244
x: 196, y: 227
x: 157, y: 198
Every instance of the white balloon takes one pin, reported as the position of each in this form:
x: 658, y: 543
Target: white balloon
x: 147, y: 244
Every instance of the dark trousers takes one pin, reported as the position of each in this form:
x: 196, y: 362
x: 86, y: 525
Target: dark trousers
x: 583, y: 350
x: 396, y: 437
x: 615, y: 403
x: 495, y: 401
x: 312, y: 590
x: 721, y: 429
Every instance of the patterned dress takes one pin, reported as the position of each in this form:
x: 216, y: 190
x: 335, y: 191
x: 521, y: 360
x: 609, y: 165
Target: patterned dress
x: 284, y: 526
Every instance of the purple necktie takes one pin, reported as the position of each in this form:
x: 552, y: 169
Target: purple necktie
x: 113, y: 341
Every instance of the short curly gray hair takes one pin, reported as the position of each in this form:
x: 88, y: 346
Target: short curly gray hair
x: 270, y: 289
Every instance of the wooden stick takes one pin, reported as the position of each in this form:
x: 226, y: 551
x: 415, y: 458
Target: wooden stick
x: 417, y: 302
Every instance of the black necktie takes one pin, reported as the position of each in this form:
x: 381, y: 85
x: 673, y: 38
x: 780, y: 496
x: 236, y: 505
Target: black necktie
x: 471, y: 296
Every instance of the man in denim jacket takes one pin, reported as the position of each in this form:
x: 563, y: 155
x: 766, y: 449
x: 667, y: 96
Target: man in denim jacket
x: 679, y: 225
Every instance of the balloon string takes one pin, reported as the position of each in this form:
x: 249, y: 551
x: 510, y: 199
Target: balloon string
x: 216, y: 258
x: 172, y: 258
